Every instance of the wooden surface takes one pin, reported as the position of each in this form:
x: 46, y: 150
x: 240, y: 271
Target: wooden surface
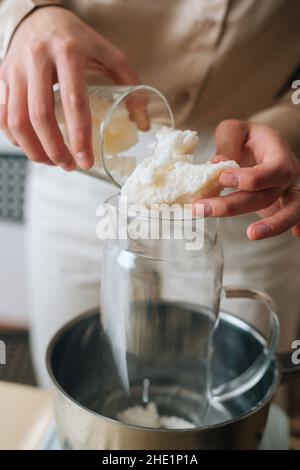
x: 26, y: 415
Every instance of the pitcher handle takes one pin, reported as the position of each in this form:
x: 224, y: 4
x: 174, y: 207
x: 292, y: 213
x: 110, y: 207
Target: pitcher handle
x: 256, y: 371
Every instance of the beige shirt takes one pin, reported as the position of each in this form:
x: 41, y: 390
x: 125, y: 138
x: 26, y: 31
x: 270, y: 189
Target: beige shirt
x: 213, y: 59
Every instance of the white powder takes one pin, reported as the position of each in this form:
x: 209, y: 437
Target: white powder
x: 170, y: 176
x: 149, y: 417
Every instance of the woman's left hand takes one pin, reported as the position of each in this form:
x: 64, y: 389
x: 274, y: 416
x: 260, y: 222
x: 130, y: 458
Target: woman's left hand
x: 266, y: 181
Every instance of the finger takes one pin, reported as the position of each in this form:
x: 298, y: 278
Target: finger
x: 283, y: 220
x: 270, y: 210
x: 270, y: 174
x: 116, y: 63
x: 137, y: 103
x: 116, y: 67
x: 19, y: 122
x: 4, y: 113
x: 230, y: 137
x: 236, y: 203
x: 276, y: 165
x: 42, y: 115
x: 296, y: 230
x: 71, y: 77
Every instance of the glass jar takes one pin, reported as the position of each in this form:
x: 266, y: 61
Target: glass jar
x: 120, y: 140
x: 160, y: 298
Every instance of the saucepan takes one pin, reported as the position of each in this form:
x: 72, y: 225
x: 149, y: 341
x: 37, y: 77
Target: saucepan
x: 74, y: 359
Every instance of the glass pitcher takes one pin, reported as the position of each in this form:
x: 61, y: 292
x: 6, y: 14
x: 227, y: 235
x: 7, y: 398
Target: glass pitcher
x: 119, y: 141
x: 160, y: 300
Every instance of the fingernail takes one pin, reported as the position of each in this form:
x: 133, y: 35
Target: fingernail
x: 296, y: 231
x: 83, y: 158
x: 229, y: 180
x: 202, y: 209
x: 261, y: 231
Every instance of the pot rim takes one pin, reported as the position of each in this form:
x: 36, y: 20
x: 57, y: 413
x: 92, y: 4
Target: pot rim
x: 233, y: 319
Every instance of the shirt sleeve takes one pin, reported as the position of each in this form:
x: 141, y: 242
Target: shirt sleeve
x: 284, y: 116
x: 12, y: 12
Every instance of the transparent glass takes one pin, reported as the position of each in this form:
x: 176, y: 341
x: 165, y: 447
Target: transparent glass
x: 159, y: 305
x: 125, y: 120
x: 160, y: 301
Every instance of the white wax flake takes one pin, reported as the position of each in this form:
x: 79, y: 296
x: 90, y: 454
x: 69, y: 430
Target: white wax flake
x: 169, y: 176
x: 149, y: 417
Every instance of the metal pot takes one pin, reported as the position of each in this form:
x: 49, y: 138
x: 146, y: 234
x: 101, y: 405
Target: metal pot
x: 73, y: 364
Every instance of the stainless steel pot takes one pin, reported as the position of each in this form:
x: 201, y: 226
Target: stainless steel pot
x: 74, y: 361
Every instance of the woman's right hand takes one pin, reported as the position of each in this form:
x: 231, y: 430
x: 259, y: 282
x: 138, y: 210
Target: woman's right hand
x: 53, y: 45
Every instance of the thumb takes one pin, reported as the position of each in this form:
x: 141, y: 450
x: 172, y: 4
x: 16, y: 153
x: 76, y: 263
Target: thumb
x: 230, y: 137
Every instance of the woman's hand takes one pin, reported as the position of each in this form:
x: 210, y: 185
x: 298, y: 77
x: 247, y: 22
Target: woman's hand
x: 266, y: 183
x: 53, y: 45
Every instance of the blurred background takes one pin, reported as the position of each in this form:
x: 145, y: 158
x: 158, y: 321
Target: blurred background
x: 13, y: 288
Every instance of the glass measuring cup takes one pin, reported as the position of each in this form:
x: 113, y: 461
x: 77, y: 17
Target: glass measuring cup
x: 118, y: 141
